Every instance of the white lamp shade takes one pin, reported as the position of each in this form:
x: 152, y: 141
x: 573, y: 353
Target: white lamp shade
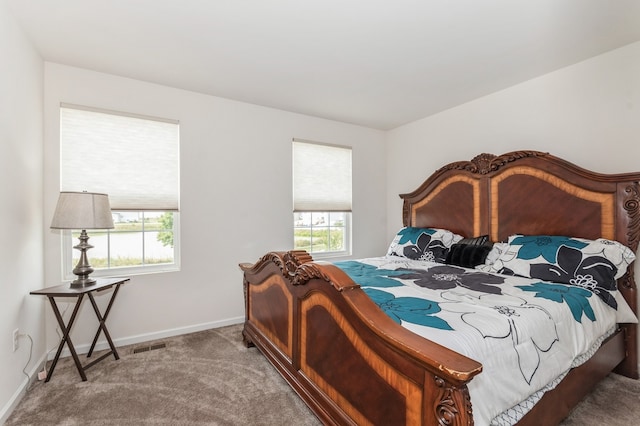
x: 82, y: 210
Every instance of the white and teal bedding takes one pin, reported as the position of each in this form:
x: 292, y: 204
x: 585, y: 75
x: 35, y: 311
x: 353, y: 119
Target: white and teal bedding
x: 526, y: 332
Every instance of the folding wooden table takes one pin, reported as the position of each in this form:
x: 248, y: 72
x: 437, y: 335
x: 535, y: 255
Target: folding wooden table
x: 79, y: 293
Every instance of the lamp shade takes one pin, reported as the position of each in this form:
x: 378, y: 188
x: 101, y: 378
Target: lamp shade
x: 82, y: 210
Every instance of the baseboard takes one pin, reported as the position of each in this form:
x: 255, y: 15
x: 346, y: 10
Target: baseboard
x: 84, y: 348
x: 140, y: 338
x: 22, y: 390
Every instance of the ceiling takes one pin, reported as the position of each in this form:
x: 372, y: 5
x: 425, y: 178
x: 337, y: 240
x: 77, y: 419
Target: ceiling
x: 376, y: 63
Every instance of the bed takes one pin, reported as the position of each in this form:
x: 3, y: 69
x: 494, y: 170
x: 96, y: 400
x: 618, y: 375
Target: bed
x: 352, y: 362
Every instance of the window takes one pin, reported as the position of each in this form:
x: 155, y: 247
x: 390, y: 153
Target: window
x: 321, y: 198
x: 135, y: 160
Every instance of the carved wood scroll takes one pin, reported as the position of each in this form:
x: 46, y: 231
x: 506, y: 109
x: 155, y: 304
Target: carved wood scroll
x: 451, y: 404
x: 632, y: 206
x: 298, y: 267
x: 288, y: 262
x: 485, y: 163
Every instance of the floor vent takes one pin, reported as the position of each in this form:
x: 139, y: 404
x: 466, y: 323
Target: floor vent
x: 149, y: 348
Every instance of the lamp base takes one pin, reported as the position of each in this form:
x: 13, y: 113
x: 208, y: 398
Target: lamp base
x: 82, y: 282
x: 83, y: 269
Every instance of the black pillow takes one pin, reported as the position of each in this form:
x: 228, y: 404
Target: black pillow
x: 469, y: 252
x: 476, y: 241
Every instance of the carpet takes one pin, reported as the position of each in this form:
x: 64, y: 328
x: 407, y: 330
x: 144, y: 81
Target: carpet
x: 204, y: 378
x: 210, y: 378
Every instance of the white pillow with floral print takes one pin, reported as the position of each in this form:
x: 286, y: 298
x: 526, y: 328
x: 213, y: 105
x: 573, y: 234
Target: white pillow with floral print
x: 591, y: 264
x: 430, y: 244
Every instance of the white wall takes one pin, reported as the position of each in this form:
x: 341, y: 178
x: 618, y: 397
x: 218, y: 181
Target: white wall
x: 21, y: 73
x: 235, y: 198
x: 588, y: 113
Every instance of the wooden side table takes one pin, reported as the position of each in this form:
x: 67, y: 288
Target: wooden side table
x: 79, y: 293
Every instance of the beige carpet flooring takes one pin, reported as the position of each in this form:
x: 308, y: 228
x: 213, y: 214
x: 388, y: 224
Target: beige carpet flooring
x: 210, y: 378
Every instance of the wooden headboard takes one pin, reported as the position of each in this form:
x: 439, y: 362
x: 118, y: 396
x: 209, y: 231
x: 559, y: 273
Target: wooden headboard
x: 531, y: 193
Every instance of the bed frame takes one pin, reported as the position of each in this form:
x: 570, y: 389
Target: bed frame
x: 352, y: 364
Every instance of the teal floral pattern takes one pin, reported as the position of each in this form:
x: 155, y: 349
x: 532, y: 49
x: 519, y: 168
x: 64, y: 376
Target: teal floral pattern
x: 410, y: 309
x: 368, y: 275
x: 593, y: 273
x: 544, y: 245
x: 576, y: 298
x: 593, y: 265
x: 411, y: 234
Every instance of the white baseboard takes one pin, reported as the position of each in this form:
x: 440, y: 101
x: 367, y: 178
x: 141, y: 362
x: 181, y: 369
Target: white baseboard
x: 140, y: 338
x: 22, y: 390
x: 84, y: 348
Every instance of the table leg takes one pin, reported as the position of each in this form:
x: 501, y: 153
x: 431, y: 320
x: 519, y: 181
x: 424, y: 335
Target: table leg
x: 102, y: 327
x: 66, y: 330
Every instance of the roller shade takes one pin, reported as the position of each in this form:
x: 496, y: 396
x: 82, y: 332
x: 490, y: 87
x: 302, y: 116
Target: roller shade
x: 134, y: 159
x: 321, y: 177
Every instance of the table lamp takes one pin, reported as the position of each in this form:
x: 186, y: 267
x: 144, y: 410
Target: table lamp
x: 82, y: 210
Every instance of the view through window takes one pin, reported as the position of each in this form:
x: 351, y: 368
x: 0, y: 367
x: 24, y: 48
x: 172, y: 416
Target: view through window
x: 320, y: 231
x: 138, y: 239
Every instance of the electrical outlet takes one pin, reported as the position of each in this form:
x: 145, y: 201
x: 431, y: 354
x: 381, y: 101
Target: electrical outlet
x: 16, y: 343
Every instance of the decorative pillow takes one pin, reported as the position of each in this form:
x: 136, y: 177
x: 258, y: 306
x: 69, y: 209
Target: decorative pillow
x: 430, y: 244
x: 476, y: 241
x: 496, y: 251
x: 624, y: 314
x: 469, y: 252
x: 592, y: 264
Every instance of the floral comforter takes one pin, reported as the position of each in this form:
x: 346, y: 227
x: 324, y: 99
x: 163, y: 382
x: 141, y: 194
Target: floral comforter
x: 526, y: 333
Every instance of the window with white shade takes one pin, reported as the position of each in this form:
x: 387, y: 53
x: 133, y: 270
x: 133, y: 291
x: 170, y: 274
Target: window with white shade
x: 136, y: 161
x: 321, y: 198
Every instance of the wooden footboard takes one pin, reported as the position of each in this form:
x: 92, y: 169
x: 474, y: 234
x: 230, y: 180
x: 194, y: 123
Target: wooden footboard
x: 347, y: 360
